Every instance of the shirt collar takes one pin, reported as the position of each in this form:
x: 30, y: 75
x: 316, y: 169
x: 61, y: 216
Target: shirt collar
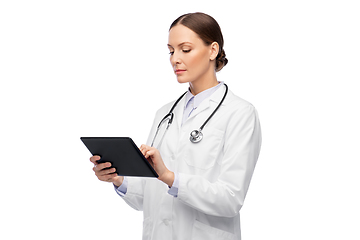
x: 198, y: 98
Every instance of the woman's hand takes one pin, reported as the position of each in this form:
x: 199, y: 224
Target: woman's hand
x: 106, y: 175
x: 154, y: 158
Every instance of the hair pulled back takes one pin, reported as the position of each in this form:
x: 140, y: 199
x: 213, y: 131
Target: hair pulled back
x: 208, y: 30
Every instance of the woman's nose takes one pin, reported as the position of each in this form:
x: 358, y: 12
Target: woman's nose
x: 175, y: 59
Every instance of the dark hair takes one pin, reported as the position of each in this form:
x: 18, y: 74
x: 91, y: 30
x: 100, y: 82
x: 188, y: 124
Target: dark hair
x: 208, y: 30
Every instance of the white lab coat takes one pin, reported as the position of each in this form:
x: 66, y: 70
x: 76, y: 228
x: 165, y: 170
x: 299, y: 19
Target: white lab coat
x: 214, y: 174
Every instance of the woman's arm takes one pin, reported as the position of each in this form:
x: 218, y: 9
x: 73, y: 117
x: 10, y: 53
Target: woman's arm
x: 154, y: 158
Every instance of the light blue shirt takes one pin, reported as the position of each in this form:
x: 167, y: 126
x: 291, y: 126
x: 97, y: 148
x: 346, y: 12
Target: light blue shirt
x: 191, y: 104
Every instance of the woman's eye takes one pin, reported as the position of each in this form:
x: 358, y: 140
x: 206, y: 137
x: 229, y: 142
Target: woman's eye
x: 185, y: 51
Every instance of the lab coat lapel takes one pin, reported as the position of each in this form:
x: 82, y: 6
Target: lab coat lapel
x: 215, y: 97
x: 179, y: 111
x: 205, y: 104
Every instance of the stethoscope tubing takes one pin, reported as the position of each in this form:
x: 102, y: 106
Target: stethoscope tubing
x: 218, y: 106
x: 196, y: 135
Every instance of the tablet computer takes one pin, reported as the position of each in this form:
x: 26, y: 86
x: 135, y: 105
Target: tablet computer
x: 122, y: 153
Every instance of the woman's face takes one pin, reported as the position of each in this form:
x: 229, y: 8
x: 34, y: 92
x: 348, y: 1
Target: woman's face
x: 190, y: 58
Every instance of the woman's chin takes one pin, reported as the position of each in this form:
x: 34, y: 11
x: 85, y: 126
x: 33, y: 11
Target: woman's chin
x: 182, y: 80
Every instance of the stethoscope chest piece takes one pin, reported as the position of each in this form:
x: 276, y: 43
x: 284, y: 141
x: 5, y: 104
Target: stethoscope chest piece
x: 196, y: 136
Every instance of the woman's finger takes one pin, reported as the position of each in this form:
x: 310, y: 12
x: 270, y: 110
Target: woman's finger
x: 146, y: 155
x: 101, y: 166
x: 94, y: 158
x: 149, y: 153
x: 107, y: 171
x: 142, y: 147
x: 107, y: 174
x: 107, y: 177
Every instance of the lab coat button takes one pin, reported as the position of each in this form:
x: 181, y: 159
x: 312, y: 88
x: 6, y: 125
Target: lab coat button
x: 166, y: 222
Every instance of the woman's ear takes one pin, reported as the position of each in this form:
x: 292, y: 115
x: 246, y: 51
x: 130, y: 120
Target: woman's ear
x: 214, y: 50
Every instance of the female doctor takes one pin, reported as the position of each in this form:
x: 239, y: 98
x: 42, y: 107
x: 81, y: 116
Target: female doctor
x: 205, y: 157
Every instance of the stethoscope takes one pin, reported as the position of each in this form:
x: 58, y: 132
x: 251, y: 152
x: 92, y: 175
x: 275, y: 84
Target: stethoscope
x: 196, y: 135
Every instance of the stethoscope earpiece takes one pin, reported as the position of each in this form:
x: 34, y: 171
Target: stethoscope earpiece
x: 196, y: 136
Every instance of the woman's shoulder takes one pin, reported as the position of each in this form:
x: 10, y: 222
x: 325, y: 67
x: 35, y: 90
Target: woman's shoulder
x: 238, y: 103
x: 240, y: 110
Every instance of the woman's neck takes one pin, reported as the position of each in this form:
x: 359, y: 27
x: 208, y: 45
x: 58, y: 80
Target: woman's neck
x: 202, y: 84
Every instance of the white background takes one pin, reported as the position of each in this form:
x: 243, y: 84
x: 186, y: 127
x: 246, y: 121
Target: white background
x: 101, y: 68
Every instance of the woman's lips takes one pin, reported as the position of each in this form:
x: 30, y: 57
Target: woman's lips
x: 179, y: 71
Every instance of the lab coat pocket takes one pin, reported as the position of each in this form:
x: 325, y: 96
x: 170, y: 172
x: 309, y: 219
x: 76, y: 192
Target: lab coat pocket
x: 147, y: 228
x: 202, y: 155
x: 202, y: 231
